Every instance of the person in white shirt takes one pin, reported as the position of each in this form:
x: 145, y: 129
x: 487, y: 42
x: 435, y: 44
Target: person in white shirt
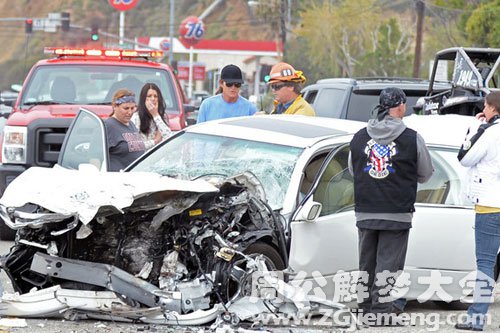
x: 150, y: 116
x: 481, y: 153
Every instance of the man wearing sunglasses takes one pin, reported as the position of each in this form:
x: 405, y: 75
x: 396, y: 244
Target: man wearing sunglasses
x: 286, y: 83
x: 227, y: 102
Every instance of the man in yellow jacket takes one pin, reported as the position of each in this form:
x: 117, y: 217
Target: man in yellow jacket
x: 286, y: 84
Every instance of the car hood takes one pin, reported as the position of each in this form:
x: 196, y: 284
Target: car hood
x: 84, y: 192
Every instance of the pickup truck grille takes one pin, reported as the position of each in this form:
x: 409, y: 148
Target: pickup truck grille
x: 48, y: 145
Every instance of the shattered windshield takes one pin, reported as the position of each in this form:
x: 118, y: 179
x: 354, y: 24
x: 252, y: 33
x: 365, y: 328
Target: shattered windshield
x: 191, y: 156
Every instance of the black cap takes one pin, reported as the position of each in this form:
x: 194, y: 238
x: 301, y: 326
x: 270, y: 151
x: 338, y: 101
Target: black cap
x: 392, y: 97
x: 231, y: 74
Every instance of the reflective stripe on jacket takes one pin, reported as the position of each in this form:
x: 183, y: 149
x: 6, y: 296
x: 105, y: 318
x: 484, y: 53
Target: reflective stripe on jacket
x: 299, y: 107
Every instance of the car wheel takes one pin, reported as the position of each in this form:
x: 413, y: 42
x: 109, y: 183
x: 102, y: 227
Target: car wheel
x: 6, y: 233
x: 271, y: 256
x: 234, y: 283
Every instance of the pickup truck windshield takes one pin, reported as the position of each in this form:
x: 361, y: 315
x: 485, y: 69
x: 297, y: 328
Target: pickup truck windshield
x: 93, y: 84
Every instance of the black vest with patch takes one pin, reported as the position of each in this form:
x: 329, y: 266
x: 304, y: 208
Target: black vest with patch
x: 385, y: 177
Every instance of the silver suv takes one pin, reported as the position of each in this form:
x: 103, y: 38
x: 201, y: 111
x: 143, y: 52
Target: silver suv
x: 355, y: 98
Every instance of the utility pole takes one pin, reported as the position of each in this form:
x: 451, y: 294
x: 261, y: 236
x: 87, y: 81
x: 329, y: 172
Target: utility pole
x: 418, y: 42
x: 283, y: 27
x: 171, y: 32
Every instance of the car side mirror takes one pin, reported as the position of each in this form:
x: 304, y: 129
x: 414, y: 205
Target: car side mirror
x: 191, y: 114
x: 189, y: 108
x: 309, y: 211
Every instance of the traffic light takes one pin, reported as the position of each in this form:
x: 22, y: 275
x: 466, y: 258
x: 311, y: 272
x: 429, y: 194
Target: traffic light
x: 174, y: 66
x: 94, y: 34
x: 65, y: 21
x: 28, y: 26
x: 264, y: 71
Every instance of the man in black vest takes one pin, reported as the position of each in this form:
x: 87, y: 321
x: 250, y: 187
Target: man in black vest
x: 387, y: 160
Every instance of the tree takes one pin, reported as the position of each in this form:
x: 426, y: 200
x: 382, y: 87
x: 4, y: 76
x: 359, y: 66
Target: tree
x: 483, y: 26
x: 391, y: 52
x: 336, y: 35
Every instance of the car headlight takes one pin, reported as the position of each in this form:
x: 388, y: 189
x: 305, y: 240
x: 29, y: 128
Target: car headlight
x: 14, y: 144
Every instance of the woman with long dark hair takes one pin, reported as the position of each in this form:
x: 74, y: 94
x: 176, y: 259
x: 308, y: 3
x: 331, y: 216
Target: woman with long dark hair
x: 150, y: 116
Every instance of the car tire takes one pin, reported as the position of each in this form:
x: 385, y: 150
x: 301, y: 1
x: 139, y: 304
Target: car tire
x: 6, y: 233
x: 272, y: 257
x: 273, y: 261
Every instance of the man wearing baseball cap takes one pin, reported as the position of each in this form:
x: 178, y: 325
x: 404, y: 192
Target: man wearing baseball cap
x: 387, y: 160
x: 286, y: 83
x: 227, y: 102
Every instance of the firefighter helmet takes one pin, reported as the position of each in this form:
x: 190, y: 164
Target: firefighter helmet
x: 283, y: 72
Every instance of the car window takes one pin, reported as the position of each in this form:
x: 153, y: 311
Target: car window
x: 84, y: 143
x: 94, y: 84
x: 444, y: 185
x: 362, y: 103
x: 335, y: 190
x: 193, y: 155
x: 310, y: 96
x: 329, y: 102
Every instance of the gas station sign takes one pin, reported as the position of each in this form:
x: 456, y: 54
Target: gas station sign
x: 123, y: 5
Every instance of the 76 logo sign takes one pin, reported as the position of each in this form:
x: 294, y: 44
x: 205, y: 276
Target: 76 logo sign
x: 192, y: 30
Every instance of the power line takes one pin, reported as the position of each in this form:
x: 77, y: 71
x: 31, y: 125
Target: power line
x: 458, y: 10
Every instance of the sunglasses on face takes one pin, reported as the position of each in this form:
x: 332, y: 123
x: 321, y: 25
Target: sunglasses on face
x: 236, y: 84
x: 277, y: 86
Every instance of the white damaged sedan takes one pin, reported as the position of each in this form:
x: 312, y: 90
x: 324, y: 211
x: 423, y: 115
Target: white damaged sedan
x: 176, y: 237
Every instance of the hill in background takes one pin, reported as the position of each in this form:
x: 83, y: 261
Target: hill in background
x: 230, y: 20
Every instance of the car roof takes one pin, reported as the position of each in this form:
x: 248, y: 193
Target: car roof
x: 377, y: 83
x: 304, y: 131
x: 484, y: 54
x: 290, y: 130
x: 448, y: 129
x: 102, y: 61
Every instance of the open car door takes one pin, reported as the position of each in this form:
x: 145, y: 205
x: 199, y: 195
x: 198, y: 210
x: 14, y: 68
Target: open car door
x: 85, y: 142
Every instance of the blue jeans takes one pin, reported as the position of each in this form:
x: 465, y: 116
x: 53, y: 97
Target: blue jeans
x: 399, y: 303
x: 487, y: 236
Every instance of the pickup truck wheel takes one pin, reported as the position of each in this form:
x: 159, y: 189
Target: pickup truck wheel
x: 6, y: 233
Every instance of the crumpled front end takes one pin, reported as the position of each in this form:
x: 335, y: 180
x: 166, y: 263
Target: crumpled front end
x: 171, y: 256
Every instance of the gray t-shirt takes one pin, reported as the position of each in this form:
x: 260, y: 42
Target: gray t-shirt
x: 125, y: 144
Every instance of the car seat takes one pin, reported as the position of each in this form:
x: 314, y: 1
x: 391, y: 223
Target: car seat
x: 310, y: 173
x: 130, y: 82
x: 336, y: 188
x: 63, y: 90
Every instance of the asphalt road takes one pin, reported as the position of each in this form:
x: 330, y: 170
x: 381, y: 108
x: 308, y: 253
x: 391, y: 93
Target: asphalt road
x: 427, y: 317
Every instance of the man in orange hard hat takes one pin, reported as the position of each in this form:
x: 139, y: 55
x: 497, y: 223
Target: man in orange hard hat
x: 286, y: 83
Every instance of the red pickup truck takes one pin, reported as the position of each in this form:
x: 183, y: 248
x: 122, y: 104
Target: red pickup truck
x: 56, y: 88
